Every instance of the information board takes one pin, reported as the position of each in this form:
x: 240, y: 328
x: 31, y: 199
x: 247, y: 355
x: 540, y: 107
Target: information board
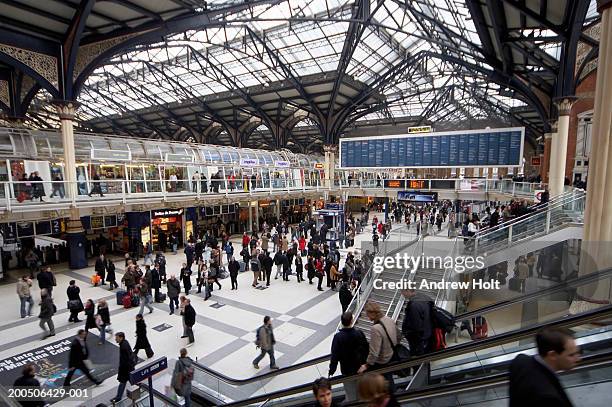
x: 468, y: 148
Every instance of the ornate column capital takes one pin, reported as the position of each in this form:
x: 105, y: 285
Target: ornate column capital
x: 66, y: 109
x: 330, y: 148
x: 603, y: 5
x: 564, y: 104
x: 553, y: 126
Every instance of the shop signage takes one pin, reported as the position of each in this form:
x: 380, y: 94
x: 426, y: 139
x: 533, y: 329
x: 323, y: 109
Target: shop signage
x: 179, y: 158
x: 164, y: 213
x: 97, y: 222
x: 318, y: 166
x: 101, y: 154
x: 281, y: 164
x: 110, y: 221
x: 249, y: 162
x: 395, y: 183
x: 419, y: 129
x: 43, y: 227
x: 536, y: 161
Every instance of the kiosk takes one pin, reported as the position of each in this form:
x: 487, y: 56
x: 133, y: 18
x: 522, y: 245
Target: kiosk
x: 333, y: 217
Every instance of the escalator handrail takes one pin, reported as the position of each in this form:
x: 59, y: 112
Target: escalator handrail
x: 468, y: 347
x: 493, y: 379
x: 167, y: 400
x: 513, y: 221
x: 489, y: 308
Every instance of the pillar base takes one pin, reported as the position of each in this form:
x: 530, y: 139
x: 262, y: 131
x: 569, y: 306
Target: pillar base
x: 76, y: 246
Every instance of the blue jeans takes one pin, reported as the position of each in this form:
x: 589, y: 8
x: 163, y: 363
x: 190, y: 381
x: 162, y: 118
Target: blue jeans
x: 102, y: 329
x: 262, y: 354
x: 23, y: 306
x: 120, y: 390
x: 146, y: 301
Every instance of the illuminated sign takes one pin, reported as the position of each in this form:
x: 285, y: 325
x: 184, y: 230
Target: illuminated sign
x: 417, y: 196
x: 318, y: 166
x: 164, y: 213
x: 419, y: 129
x: 101, y: 154
x: 536, y: 161
x: 395, y: 183
x: 416, y: 184
x: 96, y: 222
x: 179, y: 158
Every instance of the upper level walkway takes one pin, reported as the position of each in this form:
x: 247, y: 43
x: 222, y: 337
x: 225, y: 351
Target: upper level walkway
x: 32, y: 196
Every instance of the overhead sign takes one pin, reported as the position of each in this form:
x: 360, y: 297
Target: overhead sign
x: 164, y: 213
x: 416, y: 184
x: 395, y: 183
x: 419, y: 129
x: 466, y: 148
x: 281, y: 164
x: 318, y: 166
x: 417, y: 196
x: 536, y: 161
x: 179, y: 158
x: 101, y: 154
x: 144, y: 372
x: 249, y: 162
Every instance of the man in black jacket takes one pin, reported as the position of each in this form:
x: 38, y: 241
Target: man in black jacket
x: 267, y: 265
x: 100, y: 268
x: 189, y: 318
x: 350, y: 348
x: 417, y: 327
x: 126, y: 364
x: 234, y: 268
x: 46, y: 280
x: 28, y: 379
x: 78, y: 354
x: 533, y: 379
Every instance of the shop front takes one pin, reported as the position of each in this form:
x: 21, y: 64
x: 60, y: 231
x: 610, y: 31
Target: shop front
x: 105, y: 234
x: 167, y: 222
x: 218, y: 219
x: 138, y: 231
x: 295, y: 209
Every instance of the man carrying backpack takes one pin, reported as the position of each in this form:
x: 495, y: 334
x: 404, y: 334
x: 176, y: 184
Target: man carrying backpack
x: 265, y: 341
x: 418, y: 327
x: 182, y: 377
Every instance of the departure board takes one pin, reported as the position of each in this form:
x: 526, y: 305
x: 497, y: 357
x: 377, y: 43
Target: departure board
x: 469, y: 148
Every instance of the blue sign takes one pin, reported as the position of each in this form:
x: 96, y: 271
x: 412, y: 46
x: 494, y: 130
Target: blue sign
x: 334, y: 206
x: 148, y: 370
x: 417, y: 196
x: 470, y: 148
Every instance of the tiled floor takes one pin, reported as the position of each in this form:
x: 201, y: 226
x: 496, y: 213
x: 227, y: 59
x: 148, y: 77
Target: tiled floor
x: 304, y: 320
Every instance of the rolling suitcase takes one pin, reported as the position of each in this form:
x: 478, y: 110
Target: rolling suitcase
x: 120, y: 294
x: 242, y: 266
x: 161, y: 297
x: 127, y: 301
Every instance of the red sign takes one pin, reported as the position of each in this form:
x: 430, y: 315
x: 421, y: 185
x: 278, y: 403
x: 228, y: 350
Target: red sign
x: 536, y: 161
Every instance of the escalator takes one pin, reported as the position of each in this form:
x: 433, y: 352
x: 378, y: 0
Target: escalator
x: 484, y: 357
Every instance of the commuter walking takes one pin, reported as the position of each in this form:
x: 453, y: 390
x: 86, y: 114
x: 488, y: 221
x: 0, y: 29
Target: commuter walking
x: 189, y: 319
x: 534, y: 381
x: 182, y: 377
x: 417, y: 326
x: 100, y: 268
x: 24, y: 286
x: 47, y: 309
x: 174, y: 289
x: 110, y: 275
x: 90, y: 319
x: 79, y: 359
x: 345, y: 296
x: 103, y: 321
x: 234, y: 268
x: 46, y: 280
x: 349, y: 348
x: 126, y: 365
x: 75, y: 305
x: 144, y: 292
x: 299, y: 268
x: 142, y: 342
x: 256, y: 269
x: 186, y: 278
x: 265, y: 341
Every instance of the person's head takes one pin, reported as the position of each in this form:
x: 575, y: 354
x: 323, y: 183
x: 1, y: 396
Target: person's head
x: 183, y: 352
x: 138, y: 317
x: 119, y: 337
x: 373, y: 389
x: 82, y: 334
x: 25, y: 277
x: 347, y: 319
x: 89, y: 303
x: 321, y: 389
x: 408, y: 293
x: 29, y: 370
x: 72, y: 282
x: 558, y: 348
x: 102, y: 303
x: 373, y: 311
x: 267, y: 320
x: 187, y: 301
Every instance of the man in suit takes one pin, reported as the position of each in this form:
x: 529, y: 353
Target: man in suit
x: 533, y: 379
x: 78, y: 354
x: 126, y: 364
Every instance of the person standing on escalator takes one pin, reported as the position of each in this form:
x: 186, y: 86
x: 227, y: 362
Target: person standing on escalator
x: 417, y: 326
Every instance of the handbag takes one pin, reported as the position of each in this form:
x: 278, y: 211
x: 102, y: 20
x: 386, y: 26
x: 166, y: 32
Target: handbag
x: 400, y: 354
x: 99, y: 321
x: 74, y: 305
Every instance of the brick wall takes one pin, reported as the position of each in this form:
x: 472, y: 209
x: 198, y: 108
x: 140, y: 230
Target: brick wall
x: 586, y: 95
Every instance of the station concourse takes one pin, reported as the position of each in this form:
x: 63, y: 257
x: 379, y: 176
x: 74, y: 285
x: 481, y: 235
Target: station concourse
x: 196, y: 198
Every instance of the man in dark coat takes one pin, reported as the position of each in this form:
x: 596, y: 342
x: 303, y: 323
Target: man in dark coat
x: 417, y: 327
x: 234, y: 268
x: 533, y: 379
x: 189, y: 318
x: 350, y: 348
x: 100, y: 268
x: 28, y: 379
x: 78, y: 354
x: 156, y: 282
x: 345, y: 296
x: 110, y: 274
x: 126, y: 364
x: 142, y: 342
x: 46, y: 280
x: 75, y: 305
